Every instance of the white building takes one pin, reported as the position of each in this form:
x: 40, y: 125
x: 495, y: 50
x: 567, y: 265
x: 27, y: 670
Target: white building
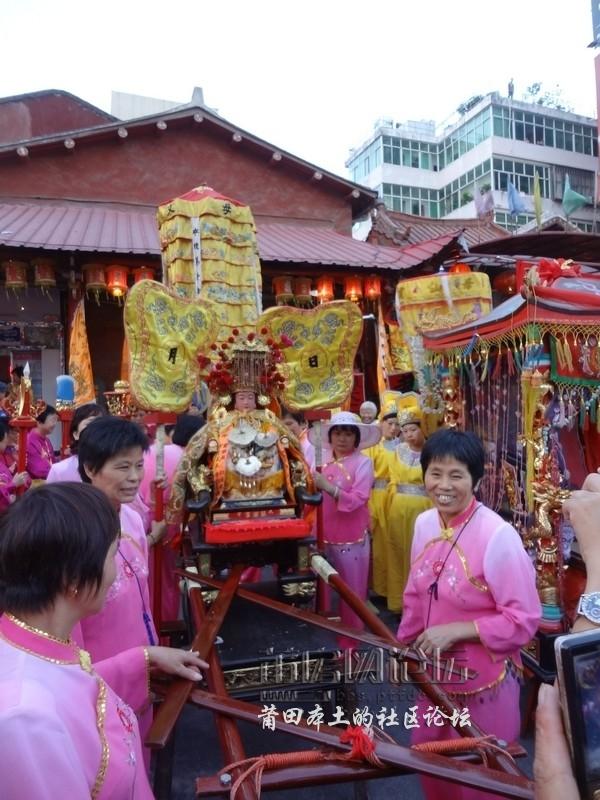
x: 420, y: 169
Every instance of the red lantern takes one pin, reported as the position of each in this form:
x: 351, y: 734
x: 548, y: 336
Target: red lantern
x: 143, y: 274
x: 43, y: 273
x: 352, y: 289
x: 459, y: 269
x: 373, y: 287
x: 283, y: 290
x: 16, y: 275
x: 95, y: 280
x: 302, y: 291
x: 325, y: 290
x: 505, y: 283
x: 117, y: 280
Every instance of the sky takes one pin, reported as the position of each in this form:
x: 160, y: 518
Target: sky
x: 310, y: 77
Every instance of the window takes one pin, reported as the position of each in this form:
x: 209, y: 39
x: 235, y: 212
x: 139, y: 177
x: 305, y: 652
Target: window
x: 522, y: 176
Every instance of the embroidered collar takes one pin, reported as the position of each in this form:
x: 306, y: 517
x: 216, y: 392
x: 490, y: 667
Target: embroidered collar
x: 447, y: 532
x: 38, y: 642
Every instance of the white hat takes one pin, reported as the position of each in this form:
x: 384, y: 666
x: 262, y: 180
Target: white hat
x: 369, y: 434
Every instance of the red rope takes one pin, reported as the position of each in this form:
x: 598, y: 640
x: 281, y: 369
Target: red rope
x: 483, y: 745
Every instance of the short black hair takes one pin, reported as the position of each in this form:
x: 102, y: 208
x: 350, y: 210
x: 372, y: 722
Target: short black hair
x: 19, y: 370
x: 85, y: 411
x: 53, y: 538
x: 187, y: 425
x: 47, y: 412
x: 105, y: 438
x: 464, y: 446
x: 298, y: 416
x: 355, y: 430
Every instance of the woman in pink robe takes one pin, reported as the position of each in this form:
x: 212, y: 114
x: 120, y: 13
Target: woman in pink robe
x: 68, y: 468
x: 9, y: 483
x: 40, y: 452
x: 67, y: 726
x: 470, y: 594
x: 346, y: 481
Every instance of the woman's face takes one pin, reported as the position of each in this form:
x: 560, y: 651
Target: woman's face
x: 120, y: 477
x: 47, y: 426
x: 342, y: 440
x: 449, y: 486
x: 389, y: 428
x: 93, y: 601
x: 413, y: 435
x: 295, y: 427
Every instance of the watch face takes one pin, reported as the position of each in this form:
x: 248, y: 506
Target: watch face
x: 590, y: 606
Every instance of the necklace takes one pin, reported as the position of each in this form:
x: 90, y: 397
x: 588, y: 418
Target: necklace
x: 38, y: 631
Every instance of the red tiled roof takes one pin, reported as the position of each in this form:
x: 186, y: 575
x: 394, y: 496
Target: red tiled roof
x: 113, y: 228
x: 400, y: 228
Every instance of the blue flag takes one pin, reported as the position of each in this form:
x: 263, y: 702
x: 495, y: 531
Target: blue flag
x: 516, y: 204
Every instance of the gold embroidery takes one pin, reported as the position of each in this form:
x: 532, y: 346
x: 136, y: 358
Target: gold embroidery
x: 37, y: 655
x: 338, y: 463
x: 491, y: 685
x: 132, y: 540
x: 85, y: 661
x: 100, y: 718
x: 37, y: 631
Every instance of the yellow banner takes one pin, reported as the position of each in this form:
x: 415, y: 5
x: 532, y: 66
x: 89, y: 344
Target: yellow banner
x: 80, y: 363
x: 442, y: 301
x: 319, y: 364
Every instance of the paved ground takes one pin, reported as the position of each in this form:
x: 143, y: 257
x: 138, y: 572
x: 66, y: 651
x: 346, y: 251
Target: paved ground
x: 256, y: 634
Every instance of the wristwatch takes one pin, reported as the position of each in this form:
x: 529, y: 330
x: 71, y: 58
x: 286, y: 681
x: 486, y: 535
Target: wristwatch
x: 589, y: 607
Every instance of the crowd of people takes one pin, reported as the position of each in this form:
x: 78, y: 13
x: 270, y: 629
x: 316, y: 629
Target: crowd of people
x: 401, y: 519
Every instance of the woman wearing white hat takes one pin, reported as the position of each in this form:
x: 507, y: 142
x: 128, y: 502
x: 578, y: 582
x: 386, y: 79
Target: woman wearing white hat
x: 346, y: 481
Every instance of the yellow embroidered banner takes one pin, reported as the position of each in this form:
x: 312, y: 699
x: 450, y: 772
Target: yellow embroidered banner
x: 80, y: 363
x: 165, y: 334
x: 319, y: 364
x: 440, y: 301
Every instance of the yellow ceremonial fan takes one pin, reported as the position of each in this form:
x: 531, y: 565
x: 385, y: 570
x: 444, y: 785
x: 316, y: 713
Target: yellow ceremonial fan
x: 319, y: 362
x: 165, y: 333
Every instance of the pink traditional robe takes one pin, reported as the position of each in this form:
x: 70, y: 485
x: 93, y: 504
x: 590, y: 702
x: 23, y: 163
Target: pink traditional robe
x: 487, y: 579
x: 40, y: 455
x: 65, y: 470
x: 170, y: 595
x: 346, y: 524
x: 67, y: 728
x: 7, y: 487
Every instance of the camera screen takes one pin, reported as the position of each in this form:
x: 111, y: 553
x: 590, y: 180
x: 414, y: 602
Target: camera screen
x: 587, y: 680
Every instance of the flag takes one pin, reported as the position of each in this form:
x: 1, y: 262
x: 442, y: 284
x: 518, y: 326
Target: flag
x: 537, y: 199
x: 80, y: 363
x: 484, y: 202
x: 516, y: 204
x: 572, y: 200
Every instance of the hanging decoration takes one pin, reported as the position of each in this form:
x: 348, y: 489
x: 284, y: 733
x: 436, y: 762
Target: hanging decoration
x: 117, y: 280
x: 44, y: 275
x: 283, y: 290
x: 16, y: 275
x: 505, y: 283
x: 352, y: 289
x: 302, y: 292
x: 143, y: 274
x: 95, y: 280
x: 372, y: 287
x: 325, y: 289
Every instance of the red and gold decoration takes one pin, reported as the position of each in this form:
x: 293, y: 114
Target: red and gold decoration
x: 372, y: 287
x: 117, y: 280
x: 94, y: 277
x: 353, y: 288
x: 303, y: 292
x: 119, y: 402
x: 164, y: 335
x: 459, y: 269
x: 80, y: 362
x: 15, y: 275
x: 44, y: 273
x: 143, y: 274
x: 283, y: 289
x: 505, y: 283
x: 325, y: 289
x: 318, y: 366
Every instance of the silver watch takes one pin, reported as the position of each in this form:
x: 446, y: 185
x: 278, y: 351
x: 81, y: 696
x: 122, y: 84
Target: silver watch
x: 589, y: 607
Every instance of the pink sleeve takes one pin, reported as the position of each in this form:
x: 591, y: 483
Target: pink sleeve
x: 38, y: 758
x: 37, y: 465
x: 143, y: 510
x: 127, y: 675
x: 413, y: 621
x: 360, y: 492
x: 510, y: 576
